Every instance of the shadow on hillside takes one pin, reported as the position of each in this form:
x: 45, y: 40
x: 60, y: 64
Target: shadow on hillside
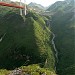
x: 18, y: 47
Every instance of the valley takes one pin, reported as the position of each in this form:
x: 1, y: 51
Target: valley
x: 39, y: 43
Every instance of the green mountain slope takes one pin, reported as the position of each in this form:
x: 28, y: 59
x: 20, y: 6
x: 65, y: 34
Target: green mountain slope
x: 25, y: 41
x: 63, y: 26
x: 61, y: 5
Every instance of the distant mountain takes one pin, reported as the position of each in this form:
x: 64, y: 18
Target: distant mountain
x: 56, y: 5
x: 36, y: 7
x: 61, y: 5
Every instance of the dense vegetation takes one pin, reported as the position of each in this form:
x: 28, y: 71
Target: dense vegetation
x: 30, y: 69
x: 63, y: 25
x: 25, y: 41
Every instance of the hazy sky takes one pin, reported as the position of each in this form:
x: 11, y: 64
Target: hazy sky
x: 42, y: 2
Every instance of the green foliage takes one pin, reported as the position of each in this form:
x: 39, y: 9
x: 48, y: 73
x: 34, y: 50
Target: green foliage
x: 63, y: 26
x: 5, y: 10
x: 32, y: 14
x: 4, y: 72
x: 31, y: 69
x: 25, y: 42
x: 36, y: 70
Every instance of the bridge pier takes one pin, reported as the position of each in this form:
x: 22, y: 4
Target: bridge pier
x: 20, y: 8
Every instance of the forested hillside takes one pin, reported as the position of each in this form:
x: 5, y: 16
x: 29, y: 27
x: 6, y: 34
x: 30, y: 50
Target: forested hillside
x: 24, y: 40
x: 63, y: 25
x: 36, y: 43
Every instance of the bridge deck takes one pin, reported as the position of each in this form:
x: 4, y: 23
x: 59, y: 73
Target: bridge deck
x: 10, y: 5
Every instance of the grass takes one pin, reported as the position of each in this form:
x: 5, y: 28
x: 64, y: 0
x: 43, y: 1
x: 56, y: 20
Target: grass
x: 36, y: 70
x: 33, y: 69
x: 4, y: 72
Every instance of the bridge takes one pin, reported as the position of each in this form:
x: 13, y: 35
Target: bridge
x: 15, y: 6
x: 10, y: 5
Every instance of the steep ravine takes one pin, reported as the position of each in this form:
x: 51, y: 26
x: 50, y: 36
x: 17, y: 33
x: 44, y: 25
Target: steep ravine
x: 53, y: 44
x: 56, y: 52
